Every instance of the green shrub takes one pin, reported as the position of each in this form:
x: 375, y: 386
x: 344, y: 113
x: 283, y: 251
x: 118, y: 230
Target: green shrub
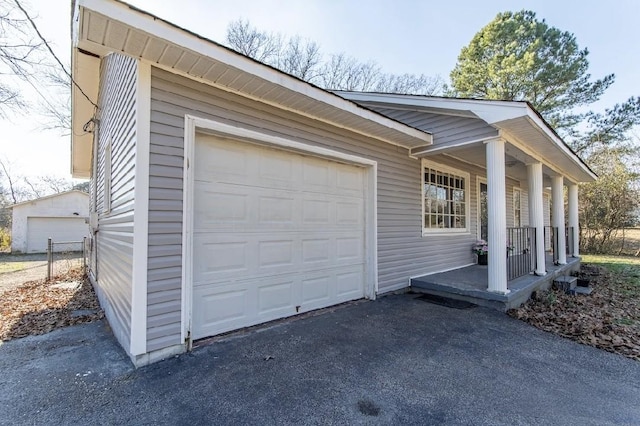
x: 5, y: 239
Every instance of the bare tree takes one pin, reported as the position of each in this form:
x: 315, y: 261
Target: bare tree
x: 296, y: 56
x: 56, y: 184
x: 19, y: 53
x: 300, y: 58
x: 342, y: 72
x: 410, y: 83
x: 11, y: 188
x: 250, y: 41
x: 304, y: 59
x: 34, y: 188
x: 55, y: 107
x: 15, y: 188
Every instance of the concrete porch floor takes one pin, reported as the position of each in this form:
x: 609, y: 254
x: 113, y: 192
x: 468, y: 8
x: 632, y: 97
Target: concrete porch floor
x: 470, y: 284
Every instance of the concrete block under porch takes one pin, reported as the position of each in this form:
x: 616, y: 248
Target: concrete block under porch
x: 471, y: 282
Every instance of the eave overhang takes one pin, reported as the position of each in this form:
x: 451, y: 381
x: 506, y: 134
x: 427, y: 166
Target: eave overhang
x: 105, y: 26
x: 518, y: 122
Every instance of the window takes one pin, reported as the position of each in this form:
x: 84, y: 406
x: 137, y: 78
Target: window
x: 483, y: 210
x: 106, y: 196
x: 517, y: 212
x: 445, y: 199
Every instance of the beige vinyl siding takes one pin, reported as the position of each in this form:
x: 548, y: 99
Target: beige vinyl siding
x: 446, y: 129
x: 402, y: 250
x: 114, y: 239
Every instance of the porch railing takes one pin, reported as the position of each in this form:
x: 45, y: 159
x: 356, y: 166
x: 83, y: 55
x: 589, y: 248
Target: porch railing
x: 520, y: 251
x: 568, y: 235
x: 551, y: 233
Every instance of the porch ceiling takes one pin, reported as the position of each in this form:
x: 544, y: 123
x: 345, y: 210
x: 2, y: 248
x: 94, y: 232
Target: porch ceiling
x: 102, y: 27
x: 532, y: 141
x: 515, y: 160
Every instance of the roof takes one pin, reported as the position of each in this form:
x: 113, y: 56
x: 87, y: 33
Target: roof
x: 517, y: 121
x: 100, y: 27
x: 46, y: 197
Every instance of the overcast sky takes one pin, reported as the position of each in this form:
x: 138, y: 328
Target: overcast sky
x: 403, y: 36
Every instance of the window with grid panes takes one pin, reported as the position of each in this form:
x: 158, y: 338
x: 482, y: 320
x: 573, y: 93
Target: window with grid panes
x: 517, y: 212
x: 445, y: 199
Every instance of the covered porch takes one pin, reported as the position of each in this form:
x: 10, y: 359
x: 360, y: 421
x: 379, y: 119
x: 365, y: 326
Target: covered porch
x: 497, y: 172
x: 471, y: 284
x: 531, y: 240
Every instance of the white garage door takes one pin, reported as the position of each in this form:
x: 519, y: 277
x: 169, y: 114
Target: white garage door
x: 60, y: 229
x: 275, y: 233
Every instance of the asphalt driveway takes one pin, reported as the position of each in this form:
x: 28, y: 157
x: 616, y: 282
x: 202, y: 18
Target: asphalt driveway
x: 398, y: 360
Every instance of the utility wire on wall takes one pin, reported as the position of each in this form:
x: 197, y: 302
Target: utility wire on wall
x: 33, y: 24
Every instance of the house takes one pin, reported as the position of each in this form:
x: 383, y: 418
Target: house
x: 225, y: 193
x: 61, y: 217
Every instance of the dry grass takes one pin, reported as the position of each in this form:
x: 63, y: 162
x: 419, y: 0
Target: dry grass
x: 626, y: 242
x: 6, y: 267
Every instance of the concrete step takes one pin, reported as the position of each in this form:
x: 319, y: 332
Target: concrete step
x: 494, y: 301
x: 565, y: 283
x: 582, y: 290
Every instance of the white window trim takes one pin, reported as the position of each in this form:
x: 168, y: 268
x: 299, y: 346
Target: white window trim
x: 467, y: 180
x: 513, y: 206
x: 106, y: 178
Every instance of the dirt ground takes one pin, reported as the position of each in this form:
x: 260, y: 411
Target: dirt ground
x: 17, y: 269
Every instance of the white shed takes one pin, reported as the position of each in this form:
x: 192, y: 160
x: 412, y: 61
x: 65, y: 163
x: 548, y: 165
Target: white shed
x: 61, y: 217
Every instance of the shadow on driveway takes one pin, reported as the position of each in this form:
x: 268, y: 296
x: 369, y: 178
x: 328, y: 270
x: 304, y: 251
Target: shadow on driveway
x: 395, y: 360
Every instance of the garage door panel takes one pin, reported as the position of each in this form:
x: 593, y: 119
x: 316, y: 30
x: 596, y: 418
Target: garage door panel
x: 220, y: 207
x: 221, y: 256
x: 59, y: 229
x: 257, y: 208
x: 241, y: 304
x: 216, y: 256
x: 222, y: 309
x: 316, y: 291
x: 281, y: 169
x: 349, y: 285
x: 275, y: 254
x: 279, y: 208
x: 349, y: 213
x: 324, y: 288
x: 316, y: 212
x: 316, y: 250
x: 283, y: 234
x: 316, y: 175
x: 276, y: 298
x: 349, y: 179
x: 224, y: 158
x: 348, y: 249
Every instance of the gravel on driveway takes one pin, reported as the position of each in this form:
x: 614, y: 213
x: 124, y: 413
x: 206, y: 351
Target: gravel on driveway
x: 396, y: 360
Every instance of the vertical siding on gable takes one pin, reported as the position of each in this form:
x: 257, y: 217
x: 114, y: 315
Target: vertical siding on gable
x: 402, y: 250
x: 114, y: 239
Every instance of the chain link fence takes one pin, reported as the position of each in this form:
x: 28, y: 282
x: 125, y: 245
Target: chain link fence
x: 63, y: 256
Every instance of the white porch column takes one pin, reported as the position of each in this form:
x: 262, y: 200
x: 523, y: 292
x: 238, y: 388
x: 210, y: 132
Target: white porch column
x: 557, y: 199
x: 497, y: 221
x: 536, y: 215
x: 573, y: 218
